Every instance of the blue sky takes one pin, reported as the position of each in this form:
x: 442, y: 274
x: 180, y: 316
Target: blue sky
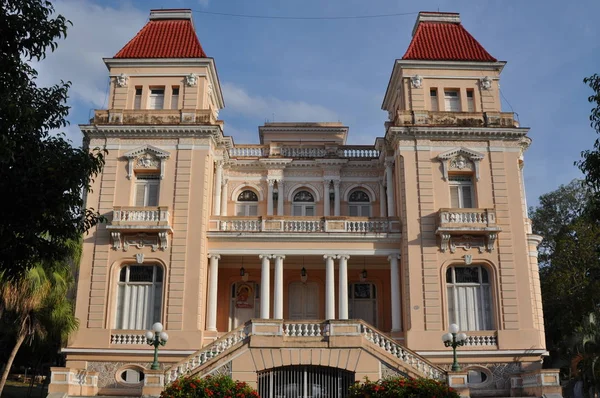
x: 338, y: 70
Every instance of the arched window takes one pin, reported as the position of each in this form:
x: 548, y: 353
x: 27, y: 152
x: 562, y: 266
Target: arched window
x: 303, y: 204
x: 139, y: 297
x: 359, y: 204
x: 362, y: 302
x: 469, y: 297
x: 247, y: 203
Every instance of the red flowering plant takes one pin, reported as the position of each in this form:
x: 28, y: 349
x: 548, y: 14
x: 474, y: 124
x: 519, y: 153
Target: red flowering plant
x: 210, y: 386
x: 402, y: 387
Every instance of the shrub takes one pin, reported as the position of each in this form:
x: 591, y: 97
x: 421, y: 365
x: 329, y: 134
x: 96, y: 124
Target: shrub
x: 401, y: 387
x: 211, y: 386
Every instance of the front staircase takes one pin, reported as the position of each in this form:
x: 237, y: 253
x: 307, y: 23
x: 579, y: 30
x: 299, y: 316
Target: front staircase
x: 353, y: 336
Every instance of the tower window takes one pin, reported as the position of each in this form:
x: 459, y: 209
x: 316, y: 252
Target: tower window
x: 157, y: 98
x: 434, y: 99
x: 470, y: 102
x: 137, y: 102
x: 452, y: 100
x: 461, y: 191
x: 175, y: 98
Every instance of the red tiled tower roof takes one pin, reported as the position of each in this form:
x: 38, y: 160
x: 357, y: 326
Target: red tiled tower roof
x: 441, y: 37
x: 168, y: 34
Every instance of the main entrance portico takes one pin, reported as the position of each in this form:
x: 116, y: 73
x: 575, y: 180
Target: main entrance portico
x: 296, y: 286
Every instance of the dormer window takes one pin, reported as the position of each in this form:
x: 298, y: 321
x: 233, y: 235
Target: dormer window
x: 137, y: 102
x: 157, y: 98
x: 175, y: 98
x: 452, y: 100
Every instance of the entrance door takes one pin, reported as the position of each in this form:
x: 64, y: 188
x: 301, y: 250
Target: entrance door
x: 303, y: 300
x: 245, y: 303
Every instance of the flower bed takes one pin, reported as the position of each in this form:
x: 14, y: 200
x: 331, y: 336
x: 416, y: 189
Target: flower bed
x: 401, y: 387
x: 210, y: 386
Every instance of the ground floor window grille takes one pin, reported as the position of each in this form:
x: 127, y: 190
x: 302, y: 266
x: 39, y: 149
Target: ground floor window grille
x: 305, y: 382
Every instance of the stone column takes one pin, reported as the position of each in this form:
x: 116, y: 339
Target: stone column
x: 217, y: 188
x: 336, y: 190
x: 213, y: 279
x: 278, y: 288
x: 329, y: 287
x: 224, y: 197
x: 382, y: 199
x: 280, y: 198
x: 390, y: 187
x: 265, y: 280
x: 270, y: 197
x: 395, y: 287
x: 327, y: 205
x: 343, y: 287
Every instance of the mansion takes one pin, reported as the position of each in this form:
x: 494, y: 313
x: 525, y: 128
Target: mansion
x: 301, y: 264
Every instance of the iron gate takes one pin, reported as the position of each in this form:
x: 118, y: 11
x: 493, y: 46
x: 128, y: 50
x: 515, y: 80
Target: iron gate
x: 304, y: 381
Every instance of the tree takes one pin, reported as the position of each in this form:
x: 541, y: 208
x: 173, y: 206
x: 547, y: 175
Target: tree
x: 590, y: 164
x: 42, y: 173
x: 569, y: 261
x: 37, y: 304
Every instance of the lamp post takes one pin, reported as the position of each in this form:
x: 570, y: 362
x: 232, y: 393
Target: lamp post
x: 156, y: 337
x: 454, y: 339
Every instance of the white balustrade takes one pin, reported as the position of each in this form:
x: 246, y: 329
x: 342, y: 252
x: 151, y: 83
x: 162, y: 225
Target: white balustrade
x: 406, y: 356
x: 218, y: 348
x: 368, y: 226
x: 126, y: 338
x: 481, y: 341
x: 303, y: 329
x: 358, y: 152
x: 467, y: 217
x: 241, y: 225
x: 140, y: 215
x: 303, y: 226
x: 249, y: 151
x: 303, y: 152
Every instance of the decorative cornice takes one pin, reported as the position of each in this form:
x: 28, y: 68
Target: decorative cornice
x: 159, y: 153
x: 153, y: 131
x: 395, y: 133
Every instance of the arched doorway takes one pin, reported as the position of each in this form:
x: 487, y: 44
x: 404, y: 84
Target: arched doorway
x: 305, y: 381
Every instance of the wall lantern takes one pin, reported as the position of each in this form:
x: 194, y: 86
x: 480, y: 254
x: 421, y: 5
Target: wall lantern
x: 275, y: 193
x: 331, y: 193
x: 303, y: 275
x: 363, y: 275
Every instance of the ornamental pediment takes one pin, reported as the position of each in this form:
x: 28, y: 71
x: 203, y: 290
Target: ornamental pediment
x: 460, y: 159
x: 146, y: 158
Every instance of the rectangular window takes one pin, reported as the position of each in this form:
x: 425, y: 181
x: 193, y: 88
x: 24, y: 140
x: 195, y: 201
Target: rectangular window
x: 359, y: 210
x: 157, y: 98
x: 146, y: 190
x: 470, y: 103
x: 434, y: 99
x: 175, y: 98
x: 461, y: 192
x: 452, y: 100
x: 137, y: 102
x: 246, y: 209
x: 303, y: 210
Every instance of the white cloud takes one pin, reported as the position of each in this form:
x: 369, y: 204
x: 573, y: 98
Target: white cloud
x: 239, y: 101
x: 97, y: 32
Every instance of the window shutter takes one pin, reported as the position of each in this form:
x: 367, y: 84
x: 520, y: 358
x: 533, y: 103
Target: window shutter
x: 467, y: 197
x: 454, y: 201
x: 297, y: 211
x: 365, y: 211
x: 152, y: 195
x: 140, y: 193
x: 252, y: 210
x: 239, y: 210
x: 353, y: 210
x: 310, y: 211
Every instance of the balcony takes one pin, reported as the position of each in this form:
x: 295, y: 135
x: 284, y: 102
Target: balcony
x: 359, y: 152
x: 140, y: 226
x: 153, y: 116
x: 467, y: 228
x: 455, y: 119
x: 305, y: 225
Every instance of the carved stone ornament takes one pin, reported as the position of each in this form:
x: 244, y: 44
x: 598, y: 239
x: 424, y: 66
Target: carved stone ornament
x: 146, y: 157
x: 191, y: 80
x: 147, y: 161
x: 139, y: 258
x: 416, y: 81
x: 116, y: 239
x: 140, y: 241
x: 467, y: 242
x: 486, y: 83
x: 122, y: 80
x: 460, y: 159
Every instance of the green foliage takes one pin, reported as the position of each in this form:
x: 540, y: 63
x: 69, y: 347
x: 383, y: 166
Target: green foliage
x: 401, y: 387
x: 590, y: 163
x: 570, y: 265
x: 42, y: 174
x: 211, y: 386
